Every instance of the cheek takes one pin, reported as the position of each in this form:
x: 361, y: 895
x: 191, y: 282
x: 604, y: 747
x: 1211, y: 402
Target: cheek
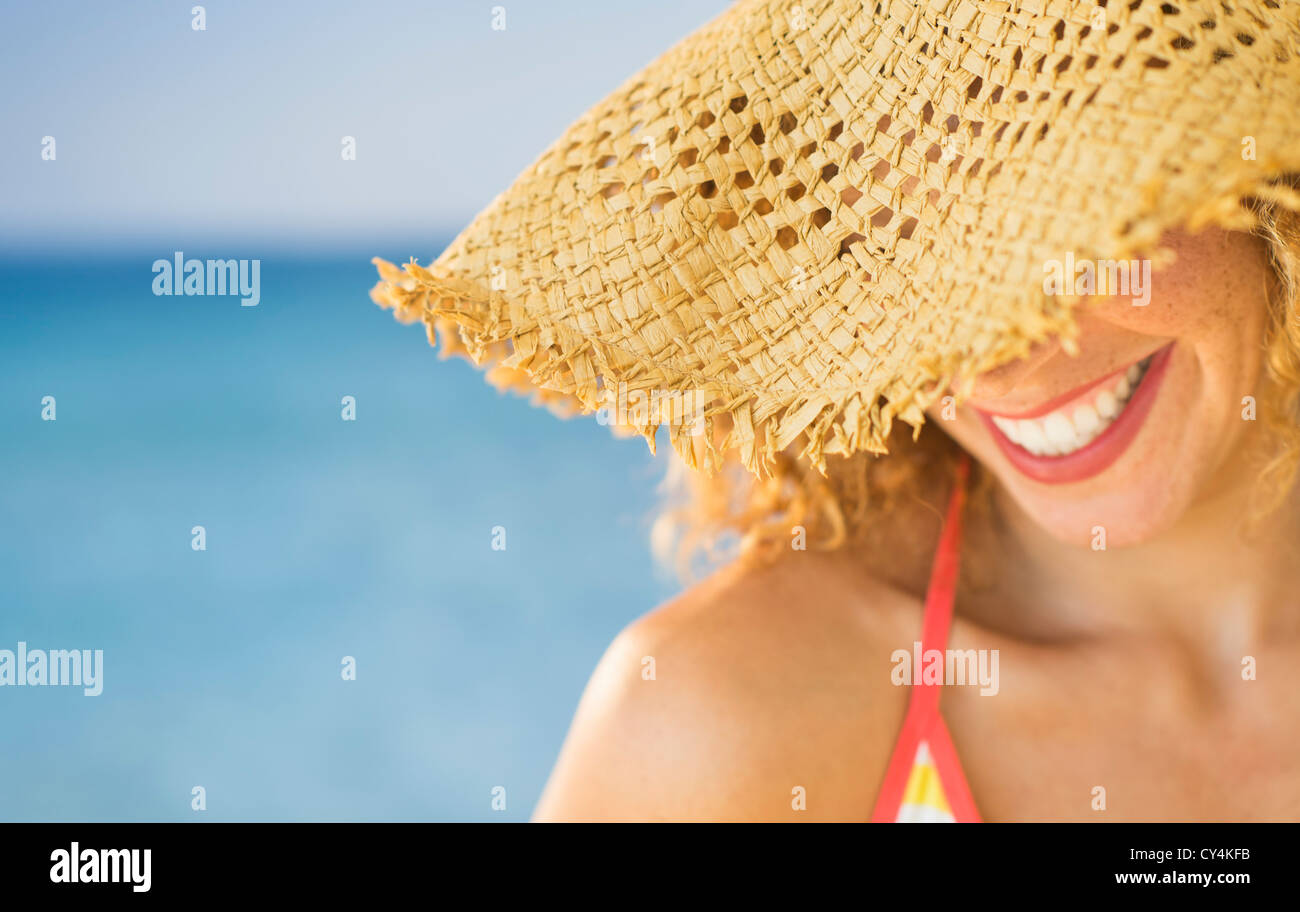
x: 1213, y: 296
x: 1213, y: 305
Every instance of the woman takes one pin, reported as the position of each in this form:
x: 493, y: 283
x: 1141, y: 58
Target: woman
x: 1072, y: 596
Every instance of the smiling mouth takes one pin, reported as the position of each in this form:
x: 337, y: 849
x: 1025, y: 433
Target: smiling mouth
x: 1081, y: 433
x: 1074, y: 426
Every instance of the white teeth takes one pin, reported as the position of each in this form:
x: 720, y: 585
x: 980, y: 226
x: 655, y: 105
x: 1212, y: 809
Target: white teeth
x: 1062, y: 431
x: 1107, y: 405
x: 1032, y: 437
x: 1008, y: 427
x: 1086, y: 420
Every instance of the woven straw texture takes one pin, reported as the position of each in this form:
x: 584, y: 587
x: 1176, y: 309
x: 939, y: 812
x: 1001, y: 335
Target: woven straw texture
x: 815, y: 217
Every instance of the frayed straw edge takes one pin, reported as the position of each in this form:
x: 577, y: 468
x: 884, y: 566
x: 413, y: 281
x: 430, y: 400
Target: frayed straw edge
x: 565, y: 370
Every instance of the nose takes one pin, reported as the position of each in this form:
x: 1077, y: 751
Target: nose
x: 1000, y: 381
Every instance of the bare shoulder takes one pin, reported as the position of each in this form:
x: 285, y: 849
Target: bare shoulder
x: 757, y: 687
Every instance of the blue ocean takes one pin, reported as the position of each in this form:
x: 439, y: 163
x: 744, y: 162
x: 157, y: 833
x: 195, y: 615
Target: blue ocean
x: 324, y: 540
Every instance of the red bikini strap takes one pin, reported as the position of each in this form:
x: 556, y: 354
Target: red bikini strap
x: 923, y: 721
x: 940, y: 595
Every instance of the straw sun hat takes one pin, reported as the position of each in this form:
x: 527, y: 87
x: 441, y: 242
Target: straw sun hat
x: 811, y: 218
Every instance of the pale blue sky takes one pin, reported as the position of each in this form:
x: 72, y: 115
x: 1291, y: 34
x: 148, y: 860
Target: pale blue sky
x: 234, y: 133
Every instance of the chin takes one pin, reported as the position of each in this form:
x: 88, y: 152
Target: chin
x: 1137, y: 509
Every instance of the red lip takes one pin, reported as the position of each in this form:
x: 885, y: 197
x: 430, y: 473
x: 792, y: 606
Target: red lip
x: 1056, y: 402
x: 1098, y: 455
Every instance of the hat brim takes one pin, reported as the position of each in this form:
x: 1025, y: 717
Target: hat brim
x: 816, y: 227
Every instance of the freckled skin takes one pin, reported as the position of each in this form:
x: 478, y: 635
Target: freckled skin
x: 1120, y: 669
x: 1212, y: 304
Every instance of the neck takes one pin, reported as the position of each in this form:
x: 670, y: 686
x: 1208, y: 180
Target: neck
x: 1211, y: 581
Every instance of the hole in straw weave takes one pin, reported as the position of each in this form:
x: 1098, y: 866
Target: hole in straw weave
x: 881, y: 170
x: 663, y: 199
x: 611, y: 190
x: 776, y: 166
x: 787, y: 123
x: 708, y: 189
x: 906, y: 229
x: 705, y: 120
x: 821, y: 217
x: 738, y: 103
x: 744, y: 180
x: 1169, y: 9
x: 1182, y: 43
x: 808, y: 150
x: 1245, y: 39
x: 757, y: 135
x: 973, y: 90
x: 830, y: 171
x: 728, y: 220
x: 850, y: 195
x: 724, y: 144
x: 763, y: 207
x: 880, y: 218
x: 1156, y: 63
x: 849, y: 242
x: 796, y: 191
x: 835, y: 132
x: 856, y: 152
x: 607, y: 162
x: 786, y: 238
x: 688, y: 157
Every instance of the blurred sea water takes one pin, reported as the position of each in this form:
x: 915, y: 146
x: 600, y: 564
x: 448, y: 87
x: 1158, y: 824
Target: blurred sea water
x: 325, y: 538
